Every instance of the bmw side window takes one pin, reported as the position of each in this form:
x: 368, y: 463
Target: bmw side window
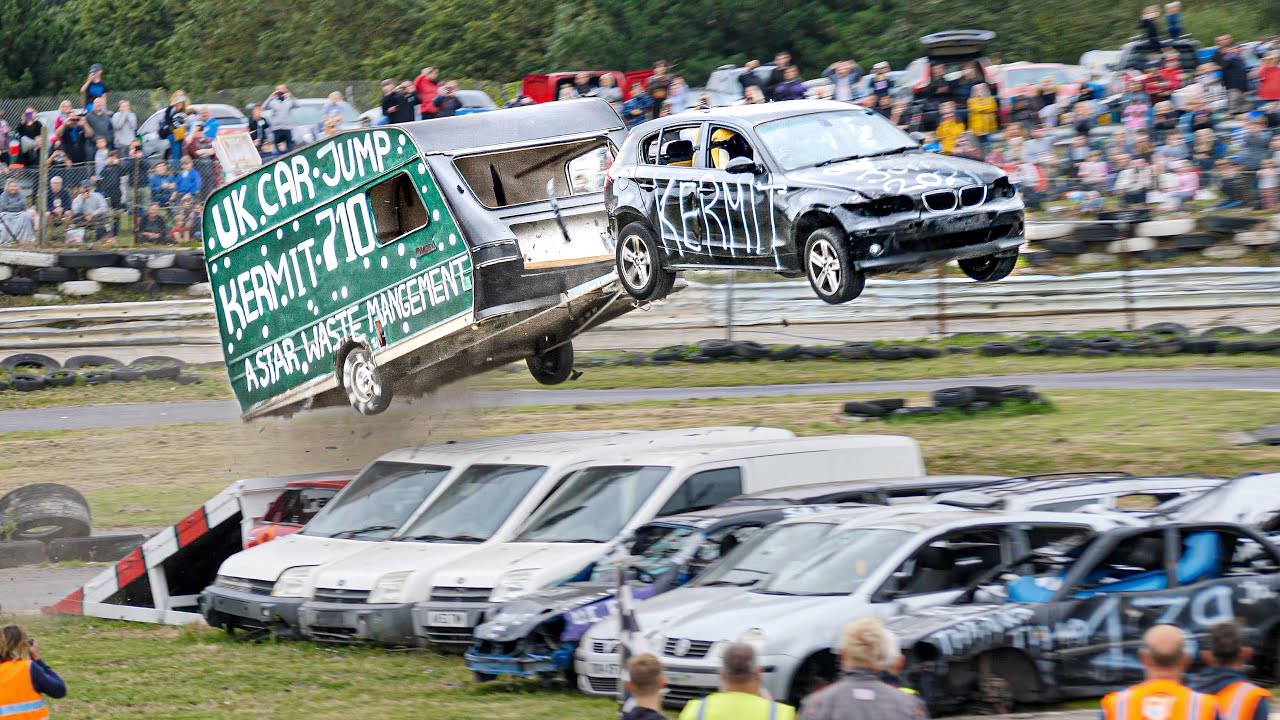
x: 704, y: 490
x: 649, y: 150
x: 725, y: 145
x: 677, y: 146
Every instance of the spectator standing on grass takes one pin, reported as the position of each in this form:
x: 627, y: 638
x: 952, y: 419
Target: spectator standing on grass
x: 781, y: 61
x: 881, y: 83
x: 1173, y: 18
x: 1164, y: 660
x: 15, y: 216
x: 982, y: 113
x: 1226, y: 676
x: 749, y: 78
x: 860, y: 693
x: 426, y: 88
x: 844, y: 81
x: 25, y: 678
x: 259, y: 128
x: 100, y: 120
x: 124, y: 126
x: 200, y: 149
x: 153, y: 229
x: 660, y: 80
x: 1268, y: 74
x: 281, y: 105
x: 1150, y: 14
x: 210, y: 123
x: 791, y: 87
x: 609, y: 90
x: 949, y: 127
x: 740, y: 696
x: 645, y: 682
x: 109, y: 179
x: 29, y: 130
x: 74, y: 139
x: 173, y: 125
x: 93, y: 87
x: 162, y: 184
x: 447, y: 102
x: 1235, y: 74
x: 678, y: 95
x: 100, y: 156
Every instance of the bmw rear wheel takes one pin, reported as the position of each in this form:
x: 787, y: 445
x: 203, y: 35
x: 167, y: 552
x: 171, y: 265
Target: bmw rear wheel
x: 829, y: 267
x: 989, y: 268
x: 639, y: 261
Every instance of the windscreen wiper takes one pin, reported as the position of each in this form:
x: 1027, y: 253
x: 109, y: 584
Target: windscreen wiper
x: 362, y: 531
x: 834, y: 160
x: 895, y: 151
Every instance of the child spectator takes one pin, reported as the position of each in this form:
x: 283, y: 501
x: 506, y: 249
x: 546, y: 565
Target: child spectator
x: 1268, y: 184
x: 949, y: 128
x: 931, y: 143
x: 1231, y: 185
x: 1133, y: 182
x: 185, y: 221
x: 1093, y: 171
x: 1173, y: 18
x: 1269, y: 78
x: 99, y: 156
x: 1174, y: 148
x: 1188, y: 180
x: 1134, y: 116
x: 188, y: 182
x: 1148, y: 24
x: 982, y: 113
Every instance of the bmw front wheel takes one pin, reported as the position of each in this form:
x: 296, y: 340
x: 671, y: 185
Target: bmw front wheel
x: 639, y: 261
x: 829, y: 267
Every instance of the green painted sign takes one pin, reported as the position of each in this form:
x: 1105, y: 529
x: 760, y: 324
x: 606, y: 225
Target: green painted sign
x: 326, y: 245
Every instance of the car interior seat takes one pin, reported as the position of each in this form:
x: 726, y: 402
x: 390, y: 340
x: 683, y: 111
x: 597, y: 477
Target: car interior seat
x: 727, y: 145
x: 678, y: 153
x: 933, y: 573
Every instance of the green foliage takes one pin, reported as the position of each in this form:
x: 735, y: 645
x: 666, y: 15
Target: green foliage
x: 203, y: 46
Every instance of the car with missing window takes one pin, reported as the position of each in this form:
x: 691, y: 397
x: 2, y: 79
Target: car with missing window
x: 1099, y: 491
x: 815, y: 188
x: 1066, y: 620
x: 883, y: 566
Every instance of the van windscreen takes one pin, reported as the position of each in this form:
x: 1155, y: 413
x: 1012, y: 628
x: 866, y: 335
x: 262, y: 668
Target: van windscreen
x: 378, y: 501
x: 594, y: 505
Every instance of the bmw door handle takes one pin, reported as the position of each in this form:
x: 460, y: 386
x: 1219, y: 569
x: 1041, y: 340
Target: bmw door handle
x: 707, y: 190
x: 645, y: 184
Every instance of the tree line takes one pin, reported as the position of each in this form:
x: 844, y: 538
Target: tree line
x: 201, y: 46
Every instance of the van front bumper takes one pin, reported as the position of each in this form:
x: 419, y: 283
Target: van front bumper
x: 236, y: 609
x: 358, y: 623
x: 448, y: 623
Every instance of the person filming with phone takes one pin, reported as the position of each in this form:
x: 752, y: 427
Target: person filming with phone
x: 24, y: 677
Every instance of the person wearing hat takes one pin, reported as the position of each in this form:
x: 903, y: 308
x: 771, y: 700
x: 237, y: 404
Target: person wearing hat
x: 93, y: 87
x: 881, y: 83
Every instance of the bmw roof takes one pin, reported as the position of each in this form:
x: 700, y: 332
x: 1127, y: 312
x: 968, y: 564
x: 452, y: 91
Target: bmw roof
x: 756, y: 114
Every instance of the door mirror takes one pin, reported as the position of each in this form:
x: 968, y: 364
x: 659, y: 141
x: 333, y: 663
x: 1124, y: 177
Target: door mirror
x: 918, y: 137
x: 741, y: 165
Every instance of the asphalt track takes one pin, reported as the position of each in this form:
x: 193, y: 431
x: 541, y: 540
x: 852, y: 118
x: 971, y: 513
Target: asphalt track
x: 213, y: 411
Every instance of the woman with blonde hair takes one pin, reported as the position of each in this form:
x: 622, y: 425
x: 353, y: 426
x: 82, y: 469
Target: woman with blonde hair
x: 173, y: 127
x: 24, y: 677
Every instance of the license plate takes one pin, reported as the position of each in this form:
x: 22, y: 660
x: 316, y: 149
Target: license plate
x: 329, y: 618
x: 687, y: 679
x: 973, y: 222
x: 600, y: 669
x: 448, y: 619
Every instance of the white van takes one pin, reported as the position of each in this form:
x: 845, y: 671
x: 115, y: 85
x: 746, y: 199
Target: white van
x: 604, y: 502
x: 262, y: 587
x: 369, y: 595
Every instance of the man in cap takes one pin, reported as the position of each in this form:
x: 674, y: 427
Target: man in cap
x: 93, y: 87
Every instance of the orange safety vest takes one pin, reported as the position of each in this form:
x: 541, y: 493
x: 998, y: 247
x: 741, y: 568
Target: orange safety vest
x: 1159, y: 700
x: 18, y: 697
x: 1239, y: 700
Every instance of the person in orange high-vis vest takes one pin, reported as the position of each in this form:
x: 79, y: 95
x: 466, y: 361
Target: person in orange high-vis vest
x: 1162, y: 696
x: 24, y: 678
x: 1226, y: 657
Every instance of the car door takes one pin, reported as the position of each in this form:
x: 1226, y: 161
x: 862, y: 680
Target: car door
x: 944, y: 564
x: 668, y: 171
x: 738, y: 217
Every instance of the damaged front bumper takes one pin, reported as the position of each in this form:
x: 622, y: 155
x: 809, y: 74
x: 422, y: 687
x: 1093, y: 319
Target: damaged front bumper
x: 916, y: 240
x: 358, y: 623
x: 520, y: 662
x: 236, y: 609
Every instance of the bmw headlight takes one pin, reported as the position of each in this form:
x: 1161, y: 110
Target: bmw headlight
x: 513, y: 585
x: 389, y: 588
x: 294, y: 582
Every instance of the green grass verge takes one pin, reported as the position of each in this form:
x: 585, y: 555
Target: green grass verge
x: 213, y: 386
x: 122, y: 671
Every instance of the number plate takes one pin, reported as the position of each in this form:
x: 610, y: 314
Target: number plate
x: 448, y: 619
x: 329, y: 618
x: 687, y: 679
x: 601, y: 669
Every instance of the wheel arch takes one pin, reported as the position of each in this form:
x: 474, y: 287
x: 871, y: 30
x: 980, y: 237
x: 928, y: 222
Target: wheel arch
x: 820, y: 664
x: 1014, y: 665
x: 810, y: 220
x: 340, y: 356
x: 624, y: 216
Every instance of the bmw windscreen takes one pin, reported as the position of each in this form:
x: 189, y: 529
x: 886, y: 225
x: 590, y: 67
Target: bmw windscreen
x: 594, y: 505
x: 825, y: 138
x: 839, y: 565
x: 764, y: 554
x: 475, y: 505
x: 377, y: 502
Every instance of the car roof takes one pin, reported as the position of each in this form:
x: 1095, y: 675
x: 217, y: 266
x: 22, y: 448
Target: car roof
x: 749, y: 448
x: 758, y: 113
x: 514, y: 126
x: 806, y: 492
x: 919, y: 518
x: 650, y: 444
x: 461, y: 449
x: 720, y: 515
x: 990, y: 494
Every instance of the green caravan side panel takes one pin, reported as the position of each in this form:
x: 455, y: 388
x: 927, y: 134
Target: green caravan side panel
x: 297, y: 267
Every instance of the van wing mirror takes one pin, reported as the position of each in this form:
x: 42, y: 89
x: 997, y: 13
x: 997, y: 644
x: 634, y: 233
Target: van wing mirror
x: 742, y: 165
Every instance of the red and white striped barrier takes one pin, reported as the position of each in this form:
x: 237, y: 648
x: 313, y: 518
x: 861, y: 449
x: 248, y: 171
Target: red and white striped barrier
x: 160, y: 581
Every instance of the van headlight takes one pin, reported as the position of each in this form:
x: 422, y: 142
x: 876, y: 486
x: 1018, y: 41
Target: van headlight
x: 294, y: 582
x: 389, y: 588
x: 513, y: 585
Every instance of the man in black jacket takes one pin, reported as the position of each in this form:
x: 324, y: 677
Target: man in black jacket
x: 781, y: 61
x: 1235, y: 74
x: 398, y: 102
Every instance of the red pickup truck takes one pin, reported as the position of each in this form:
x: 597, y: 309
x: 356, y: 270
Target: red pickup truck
x: 545, y: 87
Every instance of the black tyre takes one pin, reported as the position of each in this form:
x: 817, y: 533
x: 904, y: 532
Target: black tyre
x: 750, y: 350
x: 30, y: 363
x: 27, y: 383
x: 45, y: 511
x: 959, y: 350
x: 1224, y: 330
x: 716, y: 348
x: 892, y: 352
x: 92, y: 361
x: 989, y: 268
x: 1167, y: 329
x: 673, y: 352
x: 1038, y: 258
x: 791, y: 352
x: 639, y: 264
x: 125, y: 375
x: 700, y: 359
x: 856, y: 351
x: 954, y: 397
x: 145, y: 287
x: 88, y: 259
x: 176, y: 276
x: 829, y: 267
x: 193, y: 261
x: 977, y: 406
x: 997, y: 349
x: 18, y: 286
x: 1105, y: 343
x: 4, y: 385
x: 864, y: 409
x: 158, y: 367
x: 889, y: 404
x: 1195, y: 241
x: 1033, y: 345
x: 553, y: 366
x: 1063, y: 246
x: 16, y: 553
x: 925, y: 353
x: 1227, y: 223
x: 96, y: 377
x: 1095, y: 233
x: 365, y: 383
x: 820, y: 351
x: 54, y: 275
x: 60, y: 378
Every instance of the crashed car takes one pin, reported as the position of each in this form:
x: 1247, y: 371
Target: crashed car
x: 1249, y: 500
x: 401, y: 258
x: 884, y: 565
x: 1072, y: 491
x: 822, y: 189
x: 294, y: 507
x: 535, y: 636
x: 1067, y: 620
x: 870, y: 492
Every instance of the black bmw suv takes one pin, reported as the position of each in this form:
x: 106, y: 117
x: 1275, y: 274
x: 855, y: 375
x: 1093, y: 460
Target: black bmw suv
x: 825, y: 189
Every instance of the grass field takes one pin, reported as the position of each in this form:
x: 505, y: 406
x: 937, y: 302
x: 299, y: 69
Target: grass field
x: 150, y: 476
x: 121, y: 671
x: 514, y: 377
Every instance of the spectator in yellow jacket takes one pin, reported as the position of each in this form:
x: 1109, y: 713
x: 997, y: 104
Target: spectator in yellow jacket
x: 982, y: 113
x: 949, y: 128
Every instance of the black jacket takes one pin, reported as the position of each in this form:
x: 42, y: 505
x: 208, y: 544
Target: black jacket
x: 1214, y: 680
x: 259, y: 130
x: 398, y: 108
x: 1235, y: 76
x: 448, y: 105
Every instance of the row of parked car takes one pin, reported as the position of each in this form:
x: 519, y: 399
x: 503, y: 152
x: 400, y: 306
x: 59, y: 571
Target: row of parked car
x: 513, y: 550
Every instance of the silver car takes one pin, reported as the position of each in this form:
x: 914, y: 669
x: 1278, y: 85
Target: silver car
x: 881, y: 567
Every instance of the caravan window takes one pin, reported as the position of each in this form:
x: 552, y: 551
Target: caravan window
x: 515, y: 177
x: 397, y: 208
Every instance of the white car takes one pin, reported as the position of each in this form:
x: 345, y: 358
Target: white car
x: 369, y: 595
x: 883, y: 566
x: 603, y: 503
x: 1075, y: 491
x: 261, y: 588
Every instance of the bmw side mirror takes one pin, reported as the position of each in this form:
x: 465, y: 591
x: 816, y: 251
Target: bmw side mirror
x: 741, y: 165
x: 918, y: 137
